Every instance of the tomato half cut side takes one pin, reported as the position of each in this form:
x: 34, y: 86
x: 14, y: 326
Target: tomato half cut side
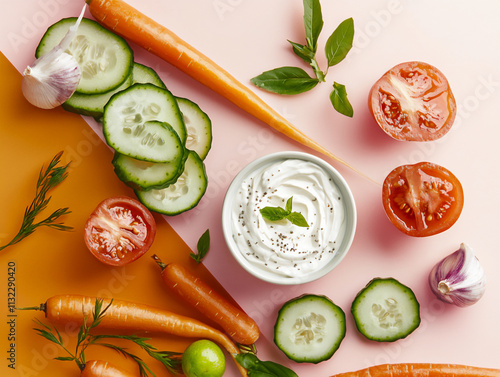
x: 422, y: 199
x: 119, y: 231
x: 413, y: 101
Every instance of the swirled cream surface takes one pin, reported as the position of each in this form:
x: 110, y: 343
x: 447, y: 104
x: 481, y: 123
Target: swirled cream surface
x: 280, y: 246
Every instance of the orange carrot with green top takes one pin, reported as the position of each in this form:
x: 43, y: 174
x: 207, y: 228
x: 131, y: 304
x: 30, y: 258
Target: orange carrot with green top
x: 129, y: 316
x: 131, y: 24
x: 237, y: 324
x: 422, y: 370
x: 98, y: 368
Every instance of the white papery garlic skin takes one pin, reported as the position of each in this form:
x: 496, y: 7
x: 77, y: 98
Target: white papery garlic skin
x: 459, y: 278
x: 51, y: 80
x: 53, y: 77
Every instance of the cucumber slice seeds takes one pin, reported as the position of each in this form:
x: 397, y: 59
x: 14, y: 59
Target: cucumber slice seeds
x: 105, y: 58
x: 182, y: 195
x: 309, y: 329
x: 127, y: 111
x: 93, y: 104
x: 199, y: 127
x: 386, y: 310
x: 147, y: 175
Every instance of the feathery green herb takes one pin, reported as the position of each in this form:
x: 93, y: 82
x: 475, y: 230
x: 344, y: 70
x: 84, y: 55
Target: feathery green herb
x: 171, y: 360
x: 48, y: 178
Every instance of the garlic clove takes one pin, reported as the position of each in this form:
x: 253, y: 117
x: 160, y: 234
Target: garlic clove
x: 53, y: 78
x: 51, y: 81
x: 459, y: 278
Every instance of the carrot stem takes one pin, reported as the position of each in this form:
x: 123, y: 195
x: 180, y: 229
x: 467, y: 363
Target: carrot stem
x: 131, y: 24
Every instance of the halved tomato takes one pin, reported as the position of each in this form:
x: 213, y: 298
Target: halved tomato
x: 413, y: 101
x: 422, y: 199
x: 119, y: 231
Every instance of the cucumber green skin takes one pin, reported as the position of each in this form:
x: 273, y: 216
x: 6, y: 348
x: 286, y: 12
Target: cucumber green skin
x: 71, y: 21
x: 77, y: 102
x: 136, y: 184
x: 182, y: 133
x: 165, y: 211
x: 142, y: 74
x: 360, y: 296
x: 203, y: 154
x: 306, y: 297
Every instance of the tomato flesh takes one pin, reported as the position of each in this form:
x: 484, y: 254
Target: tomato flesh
x: 119, y: 231
x: 413, y: 101
x: 422, y: 199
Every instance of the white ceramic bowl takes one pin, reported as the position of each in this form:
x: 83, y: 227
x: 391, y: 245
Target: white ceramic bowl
x: 345, y: 242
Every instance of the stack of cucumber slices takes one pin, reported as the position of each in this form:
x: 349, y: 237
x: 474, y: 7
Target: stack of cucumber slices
x: 160, y: 141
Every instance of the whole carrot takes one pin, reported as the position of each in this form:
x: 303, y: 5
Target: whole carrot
x: 129, y: 316
x: 145, y: 32
x: 98, y: 368
x: 237, y: 324
x: 422, y: 370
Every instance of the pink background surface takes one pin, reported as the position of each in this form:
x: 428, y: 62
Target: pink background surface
x: 247, y: 37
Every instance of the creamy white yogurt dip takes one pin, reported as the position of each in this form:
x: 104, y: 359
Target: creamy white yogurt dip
x: 279, y: 246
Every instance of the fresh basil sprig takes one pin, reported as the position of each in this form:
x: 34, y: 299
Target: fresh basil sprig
x: 278, y: 213
x: 294, y: 80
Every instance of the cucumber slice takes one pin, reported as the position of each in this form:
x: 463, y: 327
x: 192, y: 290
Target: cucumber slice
x: 309, y: 329
x: 143, y: 75
x: 147, y: 175
x: 386, y: 310
x: 198, y: 125
x: 182, y: 195
x: 151, y: 141
x: 93, y: 104
x: 105, y: 59
x: 130, y: 108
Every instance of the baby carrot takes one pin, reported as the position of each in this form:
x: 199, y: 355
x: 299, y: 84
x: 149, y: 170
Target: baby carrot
x: 422, y: 370
x: 145, y: 32
x: 129, y: 316
x: 237, y: 324
x: 98, y: 368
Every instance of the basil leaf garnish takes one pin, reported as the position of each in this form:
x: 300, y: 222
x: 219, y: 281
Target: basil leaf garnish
x: 273, y: 213
x: 296, y: 218
x: 285, y: 80
x: 278, y: 213
x: 339, y: 100
x: 340, y: 42
x: 303, y: 52
x: 313, y: 22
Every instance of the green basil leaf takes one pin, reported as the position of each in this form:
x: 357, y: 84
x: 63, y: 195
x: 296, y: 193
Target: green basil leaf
x: 340, y: 101
x: 288, y: 206
x: 285, y: 80
x: 278, y: 370
x: 313, y: 22
x: 273, y: 213
x: 340, y: 42
x: 303, y: 52
x: 247, y: 360
x: 202, y: 246
x: 296, y: 218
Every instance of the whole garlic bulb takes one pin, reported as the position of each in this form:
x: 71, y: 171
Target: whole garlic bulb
x: 459, y: 278
x: 53, y: 78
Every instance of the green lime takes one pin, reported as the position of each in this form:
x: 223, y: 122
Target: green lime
x: 203, y: 358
